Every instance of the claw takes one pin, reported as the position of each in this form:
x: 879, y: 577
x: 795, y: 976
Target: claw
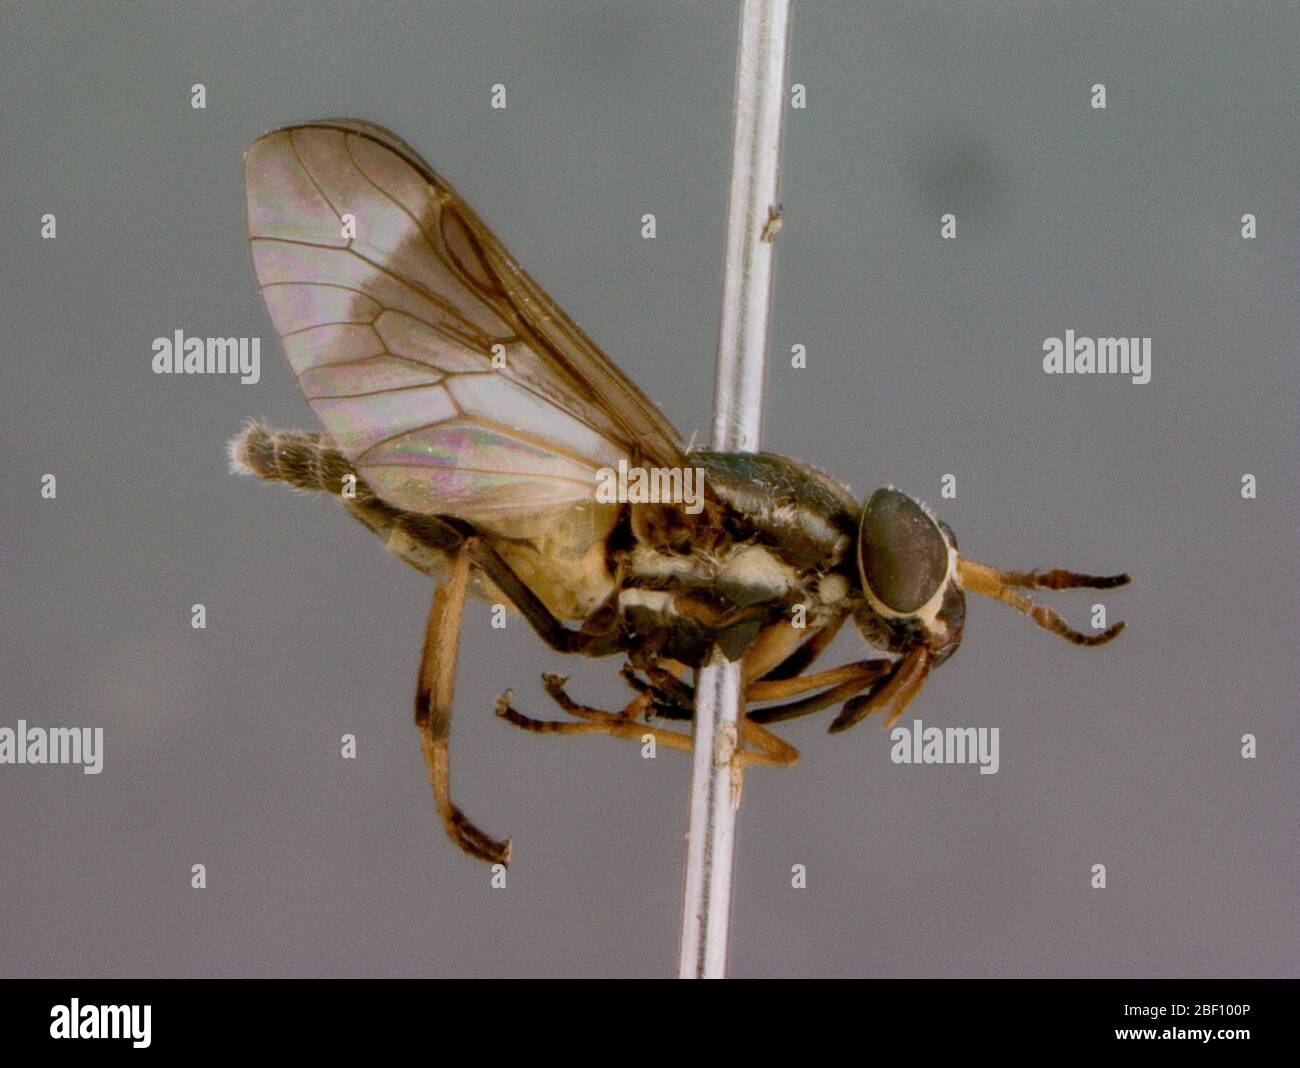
x: 555, y: 686
x: 475, y: 842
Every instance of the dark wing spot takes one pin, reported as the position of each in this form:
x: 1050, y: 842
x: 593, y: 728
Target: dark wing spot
x: 467, y: 253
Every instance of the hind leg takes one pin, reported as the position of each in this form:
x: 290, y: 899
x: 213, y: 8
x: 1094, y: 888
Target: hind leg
x: 435, y: 691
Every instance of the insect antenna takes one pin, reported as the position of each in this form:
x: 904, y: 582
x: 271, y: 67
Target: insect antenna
x: 979, y: 578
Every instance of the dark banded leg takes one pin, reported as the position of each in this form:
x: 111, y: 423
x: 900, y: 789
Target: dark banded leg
x: 770, y: 750
x: 662, y: 705
x: 434, y: 695
x: 666, y: 686
x: 839, y: 684
x: 623, y: 724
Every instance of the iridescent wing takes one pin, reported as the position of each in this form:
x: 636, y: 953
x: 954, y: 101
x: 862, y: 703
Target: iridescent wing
x: 392, y: 299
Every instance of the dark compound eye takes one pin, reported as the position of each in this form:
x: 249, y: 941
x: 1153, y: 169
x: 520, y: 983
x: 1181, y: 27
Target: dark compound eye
x: 901, y: 551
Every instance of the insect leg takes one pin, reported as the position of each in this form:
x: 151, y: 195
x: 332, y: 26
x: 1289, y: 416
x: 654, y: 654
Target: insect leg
x: 909, y: 690
x: 666, y: 684
x: 554, y: 686
x: 834, y: 696
x: 673, y: 699
x: 896, y: 691
x: 548, y: 628
x: 663, y: 704
x: 435, y: 691
x: 447, y: 537
x: 771, y: 751
x: 593, y: 721
x: 777, y: 689
x: 798, y: 661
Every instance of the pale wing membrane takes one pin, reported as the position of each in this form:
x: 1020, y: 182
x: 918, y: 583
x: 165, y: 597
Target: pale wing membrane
x: 391, y: 335
x: 565, y: 353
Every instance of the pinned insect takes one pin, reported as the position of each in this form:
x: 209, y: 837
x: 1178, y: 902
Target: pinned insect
x: 469, y: 423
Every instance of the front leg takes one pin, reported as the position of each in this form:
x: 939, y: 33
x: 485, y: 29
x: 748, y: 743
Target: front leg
x: 673, y: 699
x: 868, y: 673
x: 895, y: 692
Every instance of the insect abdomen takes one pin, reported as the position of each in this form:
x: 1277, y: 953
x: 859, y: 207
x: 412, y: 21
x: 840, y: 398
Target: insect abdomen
x: 305, y: 461
x: 311, y: 462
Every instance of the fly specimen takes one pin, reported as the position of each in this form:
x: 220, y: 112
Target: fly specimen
x: 467, y: 423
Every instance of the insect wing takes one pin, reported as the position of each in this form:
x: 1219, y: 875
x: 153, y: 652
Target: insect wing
x: 392, y: 299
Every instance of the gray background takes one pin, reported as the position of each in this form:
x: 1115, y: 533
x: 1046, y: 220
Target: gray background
x: 924, y: 358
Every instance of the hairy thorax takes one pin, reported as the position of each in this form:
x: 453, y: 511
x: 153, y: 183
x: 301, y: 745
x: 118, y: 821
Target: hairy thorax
x: 772, y: 542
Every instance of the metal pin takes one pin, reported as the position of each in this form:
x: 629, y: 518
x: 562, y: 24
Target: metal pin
x: 737, y: 422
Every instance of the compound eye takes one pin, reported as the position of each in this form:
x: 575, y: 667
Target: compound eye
x: 901, y: 551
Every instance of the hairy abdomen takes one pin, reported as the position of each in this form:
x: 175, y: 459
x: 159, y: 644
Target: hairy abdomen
x: 308, y: 461
x: 561, y: 558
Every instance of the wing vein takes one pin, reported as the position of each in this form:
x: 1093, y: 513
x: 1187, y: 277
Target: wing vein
x: 428, y: 240
x: 482, y: 342
x: 428, y: 278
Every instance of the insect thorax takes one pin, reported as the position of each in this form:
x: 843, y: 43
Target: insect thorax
x: 773, y: 541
